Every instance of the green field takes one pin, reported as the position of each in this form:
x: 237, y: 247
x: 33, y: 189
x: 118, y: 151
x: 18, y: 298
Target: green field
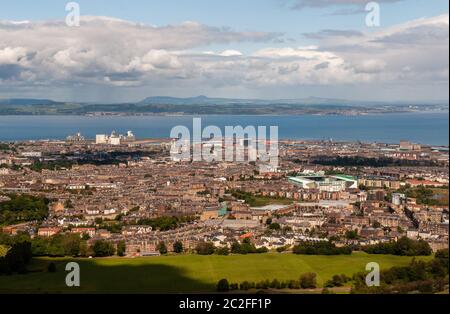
x: 187, y: 273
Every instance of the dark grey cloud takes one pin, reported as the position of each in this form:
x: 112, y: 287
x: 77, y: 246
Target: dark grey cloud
x: 10, y: 71
x: 419, y: 35
x: 323, y: 65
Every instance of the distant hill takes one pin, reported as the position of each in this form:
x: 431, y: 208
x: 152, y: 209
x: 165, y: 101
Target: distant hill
x: 204, y: 100
x: 199, y: 100
x: 26, y: 102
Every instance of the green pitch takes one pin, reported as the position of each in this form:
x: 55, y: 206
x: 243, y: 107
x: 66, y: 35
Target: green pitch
x: 187, y: 273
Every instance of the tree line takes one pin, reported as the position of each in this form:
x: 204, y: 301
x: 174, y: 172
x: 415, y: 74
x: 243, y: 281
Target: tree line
x: 418, y: 276
x: 359, y: 161
x: 403, y: 247
x: 62, y: 245
x: 22, y: 208
x: 321, y: 248
x: 306, y: 281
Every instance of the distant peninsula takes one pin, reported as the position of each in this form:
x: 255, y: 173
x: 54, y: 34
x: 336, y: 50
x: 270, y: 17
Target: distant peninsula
x: 202, y: 105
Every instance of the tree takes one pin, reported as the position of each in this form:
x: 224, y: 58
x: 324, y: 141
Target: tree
x: 222, y: 251
x: 205, y: 248
x: 71, y: 244
x: 235, y: 248
x: 103, y: 248
x: 275, y: 284
x: 68, y: 203
x: 84, y: 250
x: 16, y: 258
x: 21, y: 208
x: 223, y: 285
x: 308, y: 281
x: 275, y: 226
x: 376, y: 225
x: 121, y: 248
x: 351, y: 234
x: 162, y: 248
x: 178, y: 247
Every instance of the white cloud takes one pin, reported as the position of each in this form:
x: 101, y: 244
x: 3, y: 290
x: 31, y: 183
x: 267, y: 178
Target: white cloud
x: 300, y: 4
x: 230, y: 53
x: 110, y: 53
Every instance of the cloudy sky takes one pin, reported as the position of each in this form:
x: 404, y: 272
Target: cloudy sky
x: 234, y: 48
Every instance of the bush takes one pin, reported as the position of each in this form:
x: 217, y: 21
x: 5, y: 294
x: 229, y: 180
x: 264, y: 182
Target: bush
x: 442, y: 254
x: 326, y: 291
x: 245, y: 285
x: 205, y: 248
x: 51, y: 268
x: 162, y: 248
x: 223, y: 285
x: 178, y: 247
x: 337, y: 281
x: 275, y: 226
x: 222, y: 251
x: 308, y: 281
x: 293, y: 284
x: 121, y: 248
x: 262, y: 250
x: 275, y: 284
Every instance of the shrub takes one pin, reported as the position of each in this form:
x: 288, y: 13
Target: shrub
x: 223, y: 285
x: 308, y: 281
x: 121, y: 248
x: 245, y: 285
x: 162, y: 248
x: 178, y: 247
x: 326, y: 291
x: 51, y: 268
x: 293, y: 284
x: 337, y: 281
x: 275, y: 284
x: 222, y: 251
x: 205, y: 248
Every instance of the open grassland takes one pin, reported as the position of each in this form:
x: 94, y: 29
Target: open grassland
x: 187, y: 273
